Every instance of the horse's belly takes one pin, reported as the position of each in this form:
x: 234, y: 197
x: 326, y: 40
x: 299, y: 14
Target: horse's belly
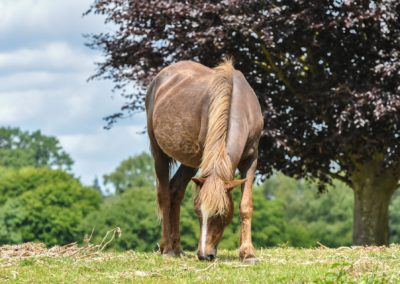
x: 179, y: 139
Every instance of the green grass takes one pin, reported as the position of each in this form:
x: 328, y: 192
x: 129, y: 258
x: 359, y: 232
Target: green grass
x: 277, y: 265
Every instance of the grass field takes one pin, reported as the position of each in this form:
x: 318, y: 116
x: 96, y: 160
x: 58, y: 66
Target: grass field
x: 277, y: 265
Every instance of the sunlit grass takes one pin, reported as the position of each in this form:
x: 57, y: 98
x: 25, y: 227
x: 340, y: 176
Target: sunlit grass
x: 321, y: 265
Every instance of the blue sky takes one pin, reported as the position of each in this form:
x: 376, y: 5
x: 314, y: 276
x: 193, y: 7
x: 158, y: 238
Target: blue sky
x: 44, y: 66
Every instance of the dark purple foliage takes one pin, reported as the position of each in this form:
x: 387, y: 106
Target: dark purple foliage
x: 327, y: 73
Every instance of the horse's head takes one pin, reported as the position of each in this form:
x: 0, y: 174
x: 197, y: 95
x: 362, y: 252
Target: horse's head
x: 214, y: 208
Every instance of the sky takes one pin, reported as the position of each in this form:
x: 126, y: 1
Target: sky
x: 44, y: 67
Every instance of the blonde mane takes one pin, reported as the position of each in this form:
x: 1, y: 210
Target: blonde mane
x: 216, y: 165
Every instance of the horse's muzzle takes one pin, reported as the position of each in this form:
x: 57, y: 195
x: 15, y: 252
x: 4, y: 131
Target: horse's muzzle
x: 209, y: 257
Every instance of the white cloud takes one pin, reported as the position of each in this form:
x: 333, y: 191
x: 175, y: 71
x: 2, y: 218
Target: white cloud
x: 75, y: 118
x: 40, y: 81
x: 88, y: 145
x: 43, y: 71
x: 71, y: 106
x: 52, y: 56
x: 48, y: 87
x: 16, y: 107
x: 52, y: 18
x: 101, y: 151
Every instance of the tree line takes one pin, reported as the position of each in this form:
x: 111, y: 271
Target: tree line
x: 45, y: 202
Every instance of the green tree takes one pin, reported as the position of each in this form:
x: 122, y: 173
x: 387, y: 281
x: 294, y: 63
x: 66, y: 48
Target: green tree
x: 269, y: 228
x: 96, y: 186
x: 394, y: 220
x: 134, y: 211
x: 326, y: 74
x: 189, y: 226
x: 22, y: 149
x: 133, y: 208
x: 40, y: 204
x: 131, y: 173
x: 313, y: 217
x: 14, y: 182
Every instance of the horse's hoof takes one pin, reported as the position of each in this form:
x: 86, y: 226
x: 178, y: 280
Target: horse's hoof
x: 250, y: 260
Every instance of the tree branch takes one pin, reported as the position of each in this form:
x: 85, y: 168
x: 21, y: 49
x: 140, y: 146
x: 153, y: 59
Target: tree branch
x: 278, y: 72
x: 341, y: 178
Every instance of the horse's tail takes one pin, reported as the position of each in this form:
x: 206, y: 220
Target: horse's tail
x: 216, y: 164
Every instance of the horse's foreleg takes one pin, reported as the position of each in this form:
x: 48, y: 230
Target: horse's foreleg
x: 161, y: 164
x: 246, y: 250
x: 178, y: 187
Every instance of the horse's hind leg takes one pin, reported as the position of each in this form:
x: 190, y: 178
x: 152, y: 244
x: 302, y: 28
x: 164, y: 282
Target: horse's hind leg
x: 178, y: 187
x: 161, y: 165
x: 246, y: 251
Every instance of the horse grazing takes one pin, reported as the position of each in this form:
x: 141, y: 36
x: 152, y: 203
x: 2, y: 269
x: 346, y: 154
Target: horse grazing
x: 207, y: 119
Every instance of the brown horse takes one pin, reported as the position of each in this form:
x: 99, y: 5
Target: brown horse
x: 207, y: 119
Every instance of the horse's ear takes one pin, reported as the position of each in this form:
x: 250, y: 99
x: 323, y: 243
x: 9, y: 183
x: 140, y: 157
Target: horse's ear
x: 199, y: 181
x: 229, y: 185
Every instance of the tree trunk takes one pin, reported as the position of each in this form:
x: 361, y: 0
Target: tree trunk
x: 373, y: 190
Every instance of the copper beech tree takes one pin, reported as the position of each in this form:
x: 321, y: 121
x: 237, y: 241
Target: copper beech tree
x: 326, y: 73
